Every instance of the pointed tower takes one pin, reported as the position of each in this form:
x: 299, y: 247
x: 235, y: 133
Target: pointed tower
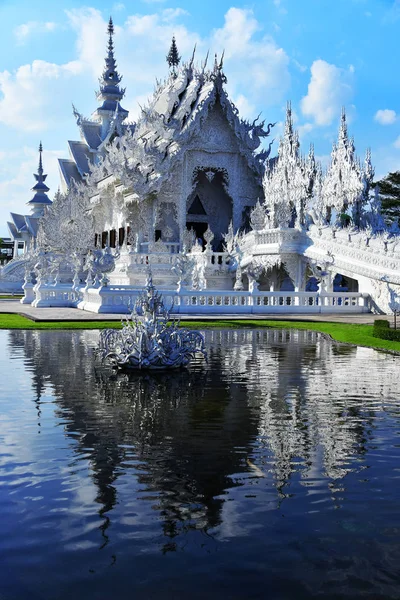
x: 40, y: 199
x: 343, y: 185
x: 286, y: 186
x: 110, y: 93
x: 24, y: 228
x: 173, y: 58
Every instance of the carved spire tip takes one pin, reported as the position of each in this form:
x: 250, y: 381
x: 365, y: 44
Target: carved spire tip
x: 110, y: 28
x: 173, y: 58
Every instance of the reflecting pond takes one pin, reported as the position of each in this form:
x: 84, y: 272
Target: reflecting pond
x: 273, y: 471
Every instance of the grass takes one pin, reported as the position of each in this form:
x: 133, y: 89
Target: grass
x: 13, y: 321
x: 359, y: 335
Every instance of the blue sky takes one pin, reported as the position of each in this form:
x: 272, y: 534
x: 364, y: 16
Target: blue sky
x: 320, y: 54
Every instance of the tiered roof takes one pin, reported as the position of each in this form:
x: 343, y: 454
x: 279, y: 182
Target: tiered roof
x: 24, y: 227
x: 96, y: 132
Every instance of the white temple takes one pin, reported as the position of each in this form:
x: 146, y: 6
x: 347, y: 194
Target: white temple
x: 190, y: 193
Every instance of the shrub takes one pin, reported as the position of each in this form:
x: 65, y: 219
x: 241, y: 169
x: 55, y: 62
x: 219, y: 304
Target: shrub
x: 383, y: 331
x: 381, y: 324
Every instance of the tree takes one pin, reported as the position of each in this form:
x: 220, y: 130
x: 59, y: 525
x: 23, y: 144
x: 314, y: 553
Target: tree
x: 173, y: 58
x: 389, y: 194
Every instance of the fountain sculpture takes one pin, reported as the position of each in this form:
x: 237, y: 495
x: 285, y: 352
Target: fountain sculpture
x: 148, y: 340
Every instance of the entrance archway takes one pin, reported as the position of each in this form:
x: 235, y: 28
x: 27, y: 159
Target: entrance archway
x: 209, y: 205
x: 199, y: 228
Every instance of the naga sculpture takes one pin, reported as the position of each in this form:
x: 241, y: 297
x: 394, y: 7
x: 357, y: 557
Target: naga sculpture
x: 147, y: 340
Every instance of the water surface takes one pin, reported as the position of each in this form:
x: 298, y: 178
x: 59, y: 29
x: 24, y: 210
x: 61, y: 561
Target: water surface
x: 271, y: 472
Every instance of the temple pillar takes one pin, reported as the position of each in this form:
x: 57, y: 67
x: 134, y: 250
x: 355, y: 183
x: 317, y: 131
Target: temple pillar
x: 15, y: 253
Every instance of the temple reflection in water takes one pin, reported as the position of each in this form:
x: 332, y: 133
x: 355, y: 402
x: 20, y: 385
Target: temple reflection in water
x: 270, y: 404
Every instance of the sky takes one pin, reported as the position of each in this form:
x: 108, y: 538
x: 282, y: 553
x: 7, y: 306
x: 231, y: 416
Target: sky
x: 319, y: 54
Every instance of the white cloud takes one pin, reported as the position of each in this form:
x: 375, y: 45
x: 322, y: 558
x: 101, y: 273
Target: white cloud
x: 280, y: 7
x: 28, y: 94
x: 170, y: 14
x: 396, y: 143
x: 330, y: 88
x: 245, y: 107
x: 385, y: 117
x: 386, y: 160
x: 118, y: 6
x: 25, y: 30
x: 305, y: 129
x: 91, y: 36
x: 257, y: 68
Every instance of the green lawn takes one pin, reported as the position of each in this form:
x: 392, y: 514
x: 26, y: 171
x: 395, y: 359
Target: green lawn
x: 360, y: 335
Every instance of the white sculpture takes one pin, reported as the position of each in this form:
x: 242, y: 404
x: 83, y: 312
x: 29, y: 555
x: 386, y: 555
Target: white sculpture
x: 148, y: 340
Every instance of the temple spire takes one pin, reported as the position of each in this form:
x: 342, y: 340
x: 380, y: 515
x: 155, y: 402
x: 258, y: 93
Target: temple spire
x: 40, y: 199
x: 110, y: 93
x: 343, y: 135
x: 40, y: 168
x: 173, y: 58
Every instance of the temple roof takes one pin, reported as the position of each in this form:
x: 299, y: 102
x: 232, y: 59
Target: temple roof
x: 80, y: 154
x: 91, y: 133
x: 69, y: 172
x: 174, y: 117
x: 23, y: 226
x: 107, y: 119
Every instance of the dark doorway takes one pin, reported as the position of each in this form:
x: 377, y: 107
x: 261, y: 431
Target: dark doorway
x: 199, y: 229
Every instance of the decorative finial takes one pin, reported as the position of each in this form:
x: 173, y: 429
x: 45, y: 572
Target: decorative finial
x: 110, y: 31
x: 173, y: 58
x: 206, y: 61
x: 40, y: 168
x: 110, y: 27
x: 192, y: 59
x: 289, y: 120
x: 215, y: 63
x: 343, y: 126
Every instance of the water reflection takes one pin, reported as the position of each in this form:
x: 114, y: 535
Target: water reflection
x: 210, y: 449
x: 194, y: 430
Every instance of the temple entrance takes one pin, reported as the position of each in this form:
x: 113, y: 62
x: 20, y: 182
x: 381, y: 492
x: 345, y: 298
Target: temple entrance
x: 199, y: 229
x: 342, y: 283
x: 209, y: 205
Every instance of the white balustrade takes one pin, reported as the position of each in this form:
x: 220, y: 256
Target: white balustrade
x: 173, y: 247
x: 54, y: 295
x: 113, y: 299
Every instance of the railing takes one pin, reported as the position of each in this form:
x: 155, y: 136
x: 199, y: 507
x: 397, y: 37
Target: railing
x: 217, y: 258
x: 162, y: 258
x: 277, y: 236
x: 271, y: 302
x: 173, y: 247
x: 121, y: 299
x: 55, y: 295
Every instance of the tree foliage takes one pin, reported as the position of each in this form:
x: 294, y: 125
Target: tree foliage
x: 389, y: 193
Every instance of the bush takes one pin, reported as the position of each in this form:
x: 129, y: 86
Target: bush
x: 381, y: 324
x: 382, y: 330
